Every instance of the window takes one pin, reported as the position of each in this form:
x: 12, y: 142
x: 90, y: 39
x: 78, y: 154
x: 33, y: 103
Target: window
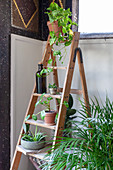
x: 95, y: 16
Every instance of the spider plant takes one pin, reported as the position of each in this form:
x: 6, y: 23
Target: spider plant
x: 91, y: 147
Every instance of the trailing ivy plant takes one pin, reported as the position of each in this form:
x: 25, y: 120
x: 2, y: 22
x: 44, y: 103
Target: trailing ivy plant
x: 56, y: 13
x: 91, y: 147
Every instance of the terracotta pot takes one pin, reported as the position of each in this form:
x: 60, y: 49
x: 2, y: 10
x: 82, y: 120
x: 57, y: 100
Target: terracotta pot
x: 50, y: 117
x: 54, y: 27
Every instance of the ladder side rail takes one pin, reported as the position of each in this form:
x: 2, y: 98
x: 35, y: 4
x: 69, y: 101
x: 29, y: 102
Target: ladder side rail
x: 47, y: 53
x: 66, y: 89
x: 83, y: 81
x: 30, y: 110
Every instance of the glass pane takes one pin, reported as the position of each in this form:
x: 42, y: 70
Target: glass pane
x: 95, y: 16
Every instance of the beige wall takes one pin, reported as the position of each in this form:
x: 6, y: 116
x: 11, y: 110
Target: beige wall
x: 26, y: 53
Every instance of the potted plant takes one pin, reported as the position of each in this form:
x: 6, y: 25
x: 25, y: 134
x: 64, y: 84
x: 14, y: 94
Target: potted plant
x: 60, y: 32
x: 91, y: 147
x: 60, y: 27
x: 52, y: 88
x: 30, y: 140
x: 47, y: 114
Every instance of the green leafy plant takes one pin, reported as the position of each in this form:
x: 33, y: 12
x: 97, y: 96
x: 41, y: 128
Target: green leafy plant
x: 91, y: 146
x: 37, y: 136
x: 29, y: 135
x: 45, y: 72
x: 52, y: 85
x: 62, y: 16
x: 46, y: 104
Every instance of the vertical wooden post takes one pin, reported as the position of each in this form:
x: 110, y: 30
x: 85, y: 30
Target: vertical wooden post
x: 83, y: 80
x: 67, y: 87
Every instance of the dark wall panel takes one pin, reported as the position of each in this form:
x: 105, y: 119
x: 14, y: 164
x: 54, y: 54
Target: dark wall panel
x: 4, y: 84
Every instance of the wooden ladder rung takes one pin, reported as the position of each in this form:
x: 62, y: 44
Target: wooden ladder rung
x: 55, y: 68
x: 73, y: 91
x: 40, y: 154
x: 56, y: 96
x: 40, y: 123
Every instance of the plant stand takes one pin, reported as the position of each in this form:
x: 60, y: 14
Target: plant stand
x: 75, y: 51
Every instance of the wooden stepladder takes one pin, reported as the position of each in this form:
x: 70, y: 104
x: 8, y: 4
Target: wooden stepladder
x: 74, y: 51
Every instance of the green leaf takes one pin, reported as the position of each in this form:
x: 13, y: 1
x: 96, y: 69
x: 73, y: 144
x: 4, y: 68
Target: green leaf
x: 42, y: 115
x: 38, y: 75
x: 60, y: 58
x: 51, y: 19
x: 67, y: 43
x: 64, y: 30
x: 34, y: 117
x: 57, y: 43
x: 74, y: 23
x: 50, y: 61
x: 27, y: 117
x: 58, y: 52
x: 70, y: 20
x: 52, y: 33
x: 44, y: 71
x: 45, y: 102
x: 26, y: 127
x: 49, y: 70
x: 66, y: 104
x: 49, y: 98
x: 52, y: 40
x: 70, y: 112
x: 70, y: 101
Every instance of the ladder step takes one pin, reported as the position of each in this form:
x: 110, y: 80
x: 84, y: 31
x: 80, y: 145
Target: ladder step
x: 57, y: 96
x: 40, y: 123
x: 39, y: 154
x: 63, y: 68
x: 73, y: 91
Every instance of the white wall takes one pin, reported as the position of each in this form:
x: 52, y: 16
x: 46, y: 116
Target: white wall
x: 98, y: 61
x: 26, y: 53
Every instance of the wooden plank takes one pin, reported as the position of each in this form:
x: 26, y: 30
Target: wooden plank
x: 40, y: 123
x: 72, y: 91
x: 56, y: 67
x: 49, y: 95
x: 67, y: 86
x: 40, y: 154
